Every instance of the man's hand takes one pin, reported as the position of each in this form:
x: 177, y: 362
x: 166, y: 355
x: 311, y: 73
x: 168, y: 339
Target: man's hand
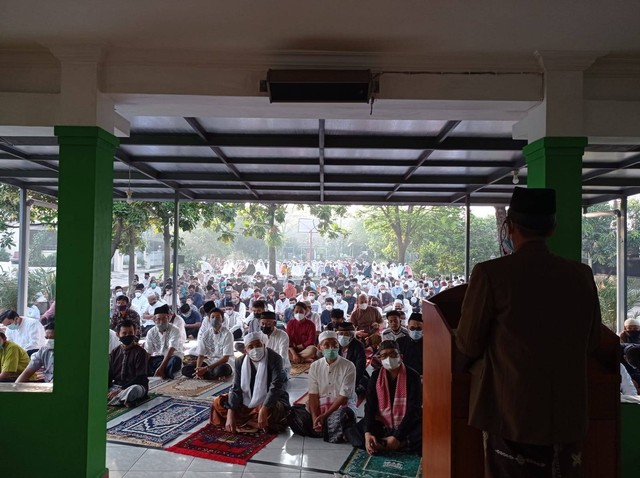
x: 318, y: 422
x: 113, y: 394
x: 371, y: 444
x: 361, y: 333
x: 296, y: 358
x: 263, y: 419
x: 231, y: 422
x: 159, y: 372
x: 199, y: 373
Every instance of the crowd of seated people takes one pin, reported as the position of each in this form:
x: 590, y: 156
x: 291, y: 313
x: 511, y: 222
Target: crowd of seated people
x: 347, y: 321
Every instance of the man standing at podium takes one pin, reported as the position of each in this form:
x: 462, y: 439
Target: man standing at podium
x: 529, y: 379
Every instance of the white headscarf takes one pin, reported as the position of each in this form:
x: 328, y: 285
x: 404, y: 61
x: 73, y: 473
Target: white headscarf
x: 260, y: 386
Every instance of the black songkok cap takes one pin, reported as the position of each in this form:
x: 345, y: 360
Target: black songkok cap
x: 416, y: 316
x: 208, y: 306
x: 163, y: 309
x: 533, y: 208
x: 346, y: 326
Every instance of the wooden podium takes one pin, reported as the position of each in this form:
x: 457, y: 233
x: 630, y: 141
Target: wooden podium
x: 451, y: 448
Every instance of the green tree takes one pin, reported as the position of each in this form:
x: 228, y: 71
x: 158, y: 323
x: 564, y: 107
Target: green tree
x: 10, y: 209
x: 218, y: 216
x: 599, y: 237
x: 397, y: 227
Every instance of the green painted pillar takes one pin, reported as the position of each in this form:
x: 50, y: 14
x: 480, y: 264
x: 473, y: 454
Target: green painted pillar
x: 63, y: 433
x: 556, y: 162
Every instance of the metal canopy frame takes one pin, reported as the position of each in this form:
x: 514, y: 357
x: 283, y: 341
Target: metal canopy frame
x: 333, y: 166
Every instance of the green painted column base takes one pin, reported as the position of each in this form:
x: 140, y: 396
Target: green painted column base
x: 556, y: 162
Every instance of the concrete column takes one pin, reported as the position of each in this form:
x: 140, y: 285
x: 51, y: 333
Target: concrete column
x: 556, y: 162
x: 76, y: 409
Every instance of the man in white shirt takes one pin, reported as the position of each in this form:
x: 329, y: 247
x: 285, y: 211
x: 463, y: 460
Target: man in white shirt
x: 215, y: 352
x: 234, y: 321
x: 147, y: 318
x: 339, y: 303
x: 332, y: 397
x: 281, y: 305
x: 26, y: 332
x: 139, y: 302
x: 153, y: 288
x: 277, y: 340
x: 165, y: 346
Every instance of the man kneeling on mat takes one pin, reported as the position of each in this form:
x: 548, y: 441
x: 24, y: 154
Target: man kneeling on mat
x: 393, y: 410
x: 257, y: 400
x: 332, y: 397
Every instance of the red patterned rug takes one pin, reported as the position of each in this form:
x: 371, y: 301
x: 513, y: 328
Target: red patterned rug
x: 215, y: 443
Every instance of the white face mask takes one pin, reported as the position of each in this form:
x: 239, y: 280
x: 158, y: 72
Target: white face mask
x: 339, y: 298
x: 363, y: 306
x: 328, y: 307
x: 344, y: 340
x: 49, y: 343
x: 138, y: 294
x: 256, y: 354
x: 299, y: 316
x: 391, y: 363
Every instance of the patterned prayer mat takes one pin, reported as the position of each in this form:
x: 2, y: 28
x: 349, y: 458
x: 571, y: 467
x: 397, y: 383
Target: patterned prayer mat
x: 159, y: 425
x: 187, y: 387
x: 391, y: 465
x: 215, y: 443
x: 153, y: 384
x: 298, y: 368
x: 115, y: 412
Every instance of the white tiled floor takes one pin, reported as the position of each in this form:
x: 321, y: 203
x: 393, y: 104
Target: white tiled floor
x: 288, y: 456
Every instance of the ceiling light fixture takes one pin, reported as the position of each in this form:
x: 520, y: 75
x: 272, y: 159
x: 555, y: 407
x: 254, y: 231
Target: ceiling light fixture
x: 515, y: 179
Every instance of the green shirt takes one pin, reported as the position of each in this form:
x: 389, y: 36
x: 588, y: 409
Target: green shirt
x: 13, y: 358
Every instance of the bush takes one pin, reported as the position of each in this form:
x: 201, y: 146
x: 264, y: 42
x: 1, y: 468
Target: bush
x: 39, y: 281
x: 5, y: 256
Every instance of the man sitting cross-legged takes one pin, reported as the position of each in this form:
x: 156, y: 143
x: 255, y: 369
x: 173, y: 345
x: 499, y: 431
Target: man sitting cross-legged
x: 257, y: 400
x: 42, y: 359
x: 393, y: 411
x: 302, y: 336
x: 332, y: 398
x: 128, y: 380
x: 164, y: 344
x: 276, y: 339
x: 215, y: 350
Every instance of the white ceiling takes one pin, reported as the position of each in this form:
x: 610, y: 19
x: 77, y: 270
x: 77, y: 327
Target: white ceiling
x: 335, y: 25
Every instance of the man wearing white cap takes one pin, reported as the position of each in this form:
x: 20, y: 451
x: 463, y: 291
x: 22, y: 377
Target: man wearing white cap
x: 257, y: 400
x: 332, y: 398
x: 631, y: 332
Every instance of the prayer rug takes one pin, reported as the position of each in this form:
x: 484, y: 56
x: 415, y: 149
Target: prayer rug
x: 115, y: 412
x: 391, y: 465
x: 153, y: 384
x: 187, y: 387
x: 159, y: 425
x: 298, y: 368
x: 215, y: 443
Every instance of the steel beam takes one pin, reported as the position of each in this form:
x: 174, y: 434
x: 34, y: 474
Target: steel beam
x: 203, y: 135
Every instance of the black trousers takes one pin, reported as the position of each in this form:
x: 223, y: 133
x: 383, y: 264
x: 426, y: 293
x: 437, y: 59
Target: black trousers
x: 223, y: 370
x: 413, y: 441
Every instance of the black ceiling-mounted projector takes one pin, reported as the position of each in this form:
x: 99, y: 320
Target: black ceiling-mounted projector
x: 319, y: 86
